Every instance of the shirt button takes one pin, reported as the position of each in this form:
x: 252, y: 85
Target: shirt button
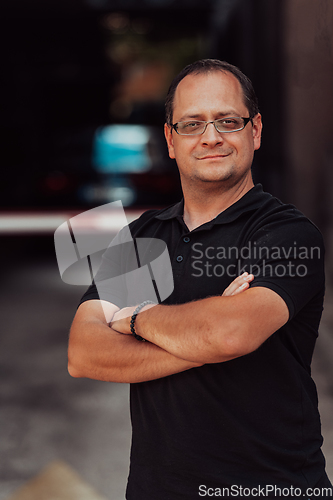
x: 179, y: 258
x: 186, y: 239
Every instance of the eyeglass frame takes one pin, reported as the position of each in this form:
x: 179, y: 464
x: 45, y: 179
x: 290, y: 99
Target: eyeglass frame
x: 245, y: 119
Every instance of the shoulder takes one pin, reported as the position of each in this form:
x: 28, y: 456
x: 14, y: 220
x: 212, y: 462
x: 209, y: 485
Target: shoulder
x: 283, y: 221
x: 148, y: 215
x: 150, y: 219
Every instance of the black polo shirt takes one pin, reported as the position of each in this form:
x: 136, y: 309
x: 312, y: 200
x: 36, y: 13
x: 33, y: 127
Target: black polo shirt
x: 253, y: 420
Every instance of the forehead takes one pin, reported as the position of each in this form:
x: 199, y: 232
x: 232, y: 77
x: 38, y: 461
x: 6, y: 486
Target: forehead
x: 216, y: 92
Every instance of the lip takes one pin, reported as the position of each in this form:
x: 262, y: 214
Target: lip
x: 212, y: 157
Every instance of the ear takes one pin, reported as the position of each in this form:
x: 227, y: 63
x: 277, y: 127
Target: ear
x: 169, y: 140
x: 256, y: 131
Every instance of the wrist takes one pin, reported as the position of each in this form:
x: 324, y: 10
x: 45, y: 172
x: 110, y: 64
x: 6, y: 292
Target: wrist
x: 147, y: 304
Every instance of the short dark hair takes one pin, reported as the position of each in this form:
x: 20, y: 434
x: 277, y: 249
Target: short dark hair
x: 206, y: 66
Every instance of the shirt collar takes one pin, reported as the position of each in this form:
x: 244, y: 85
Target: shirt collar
x: 250, y: 201
x: 171, y: 212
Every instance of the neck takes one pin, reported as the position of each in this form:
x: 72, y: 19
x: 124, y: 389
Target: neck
x: 203, y: 205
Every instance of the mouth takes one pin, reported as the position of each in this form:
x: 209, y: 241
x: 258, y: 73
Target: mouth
x: 213, y: 157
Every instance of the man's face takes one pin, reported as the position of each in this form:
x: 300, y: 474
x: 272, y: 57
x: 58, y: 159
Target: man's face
x: 213, y: 156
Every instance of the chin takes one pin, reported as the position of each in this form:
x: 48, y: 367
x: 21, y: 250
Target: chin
x: 217, y: 177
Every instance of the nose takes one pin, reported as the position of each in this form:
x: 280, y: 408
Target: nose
x: 211, y: 137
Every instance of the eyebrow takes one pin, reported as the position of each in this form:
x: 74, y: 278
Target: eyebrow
x: 198, y: 116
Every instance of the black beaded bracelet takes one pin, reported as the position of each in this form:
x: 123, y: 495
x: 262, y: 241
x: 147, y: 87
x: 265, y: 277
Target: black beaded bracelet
x: 133, y: 318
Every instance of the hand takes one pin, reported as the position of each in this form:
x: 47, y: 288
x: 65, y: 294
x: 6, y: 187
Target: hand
x: 239, y: 284
x: 122, y: 319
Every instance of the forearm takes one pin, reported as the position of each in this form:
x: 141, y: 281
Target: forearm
x: 215, y: 329
x: 98, y: 352
x: 190, y: 331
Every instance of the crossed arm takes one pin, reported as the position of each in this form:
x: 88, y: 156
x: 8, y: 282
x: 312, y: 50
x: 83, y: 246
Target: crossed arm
x: 180, y: 337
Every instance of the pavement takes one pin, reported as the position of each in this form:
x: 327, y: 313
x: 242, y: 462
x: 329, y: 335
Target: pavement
x: 65, y: 438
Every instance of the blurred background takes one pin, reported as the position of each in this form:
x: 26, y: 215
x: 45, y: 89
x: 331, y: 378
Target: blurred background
x: 83, y: 84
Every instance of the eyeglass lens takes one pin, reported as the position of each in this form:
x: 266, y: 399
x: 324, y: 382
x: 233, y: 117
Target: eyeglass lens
x: 223, y: 125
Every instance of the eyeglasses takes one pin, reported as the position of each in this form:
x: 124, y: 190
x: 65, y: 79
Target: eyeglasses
x: 229, y: 124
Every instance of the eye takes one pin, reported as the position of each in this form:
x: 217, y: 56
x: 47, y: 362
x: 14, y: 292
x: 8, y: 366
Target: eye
x: 190, y: 125
x: 229, y: 123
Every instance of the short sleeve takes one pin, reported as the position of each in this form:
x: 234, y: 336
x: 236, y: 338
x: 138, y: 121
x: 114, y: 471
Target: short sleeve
x: 109, y: 283
x: 132, y: 270
x: 287, y: 258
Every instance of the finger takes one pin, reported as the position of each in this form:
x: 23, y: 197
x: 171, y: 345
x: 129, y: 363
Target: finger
x: 125, y: 312
x: 244, y: 286
x: 240, y: 289
x: 237, y: 284
x: 120, y: 326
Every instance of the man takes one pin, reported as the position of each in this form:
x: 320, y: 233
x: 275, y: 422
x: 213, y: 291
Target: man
x: 221, y: 393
